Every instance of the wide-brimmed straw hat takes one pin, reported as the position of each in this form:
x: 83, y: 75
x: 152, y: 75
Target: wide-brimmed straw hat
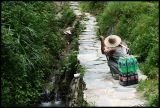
x: 112, y: 41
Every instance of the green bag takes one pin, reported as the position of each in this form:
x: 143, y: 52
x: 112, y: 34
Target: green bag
x: 127, y: 65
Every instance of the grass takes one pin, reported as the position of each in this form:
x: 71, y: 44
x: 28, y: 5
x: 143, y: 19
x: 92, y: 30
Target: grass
x: 149, y: 88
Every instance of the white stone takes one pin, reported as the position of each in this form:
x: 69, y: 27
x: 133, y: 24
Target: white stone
x: 46, y: 104
x: 76, y: 75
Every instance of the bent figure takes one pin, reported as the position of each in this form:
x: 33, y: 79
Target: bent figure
x: 113, y: 48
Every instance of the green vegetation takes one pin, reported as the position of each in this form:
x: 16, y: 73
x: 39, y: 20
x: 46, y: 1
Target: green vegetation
x: 32, y: 49
x: 70, y: 65
x: 150, y: 90
x: 136, y: 22
x: 94, y: 7
x: 90, y: 104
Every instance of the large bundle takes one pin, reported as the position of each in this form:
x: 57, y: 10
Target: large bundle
x: 128, y: 67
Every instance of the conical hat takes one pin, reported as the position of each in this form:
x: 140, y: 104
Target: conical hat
x: 112, y: 41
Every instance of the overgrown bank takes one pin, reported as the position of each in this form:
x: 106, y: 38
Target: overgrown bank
x: 137, y: 23
x: 34, y: 47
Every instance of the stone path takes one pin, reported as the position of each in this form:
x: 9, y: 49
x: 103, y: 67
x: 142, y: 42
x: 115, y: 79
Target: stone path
x: 102, y: 89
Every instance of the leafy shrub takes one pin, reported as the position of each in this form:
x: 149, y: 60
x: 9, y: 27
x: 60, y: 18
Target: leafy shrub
x: 31, y: 45
x: 76, y: 32
x: 150, y: 90
x: 93, y: 7
x: 70, y: 63
x: 67, y: 15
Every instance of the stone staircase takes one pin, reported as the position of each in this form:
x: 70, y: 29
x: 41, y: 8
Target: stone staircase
x: 102, y: 89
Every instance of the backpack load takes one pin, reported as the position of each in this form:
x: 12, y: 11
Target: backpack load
x: 128, y: 67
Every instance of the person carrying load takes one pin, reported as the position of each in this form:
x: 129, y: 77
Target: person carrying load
x: 120, y: 62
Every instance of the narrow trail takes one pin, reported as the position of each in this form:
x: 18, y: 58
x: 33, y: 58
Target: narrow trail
x: 102, y: 89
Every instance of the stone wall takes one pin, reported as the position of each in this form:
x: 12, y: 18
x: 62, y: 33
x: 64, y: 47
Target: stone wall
x: 75, y: 96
